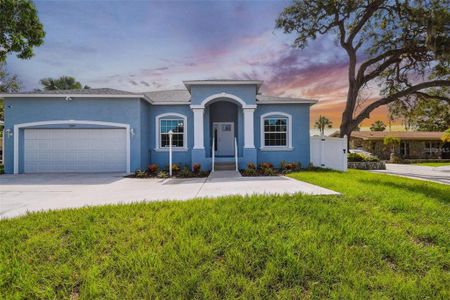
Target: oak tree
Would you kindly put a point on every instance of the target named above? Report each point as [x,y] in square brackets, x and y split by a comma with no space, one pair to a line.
[403,46]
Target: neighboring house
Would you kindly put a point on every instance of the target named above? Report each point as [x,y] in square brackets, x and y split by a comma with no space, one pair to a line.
[107,130]
[413,144]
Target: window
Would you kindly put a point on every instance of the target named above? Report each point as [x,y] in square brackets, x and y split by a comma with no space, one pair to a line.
[177,127]
[275,132]
[404,149]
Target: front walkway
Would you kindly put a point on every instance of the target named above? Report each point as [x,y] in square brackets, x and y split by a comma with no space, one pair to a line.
[436,174]
[26,192]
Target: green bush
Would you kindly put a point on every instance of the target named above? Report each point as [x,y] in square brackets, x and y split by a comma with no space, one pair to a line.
[185,172]
[249,172]
[140,174]
[268,172]
[358,157]
[162,174]
[2,169]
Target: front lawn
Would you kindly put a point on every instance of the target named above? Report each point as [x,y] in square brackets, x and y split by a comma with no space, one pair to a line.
[385,237]
[434,164]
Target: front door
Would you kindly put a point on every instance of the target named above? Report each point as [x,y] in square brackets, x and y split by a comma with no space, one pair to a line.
[224,134]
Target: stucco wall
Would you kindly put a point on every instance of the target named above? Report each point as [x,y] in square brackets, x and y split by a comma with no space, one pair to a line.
[300,134]
[246,93]
[25,110]
[161,157]
[141,116]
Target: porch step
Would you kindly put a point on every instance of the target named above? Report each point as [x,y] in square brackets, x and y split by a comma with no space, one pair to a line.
[219,166]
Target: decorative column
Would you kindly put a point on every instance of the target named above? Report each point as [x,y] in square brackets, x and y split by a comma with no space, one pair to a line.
[198,128]
[249,132]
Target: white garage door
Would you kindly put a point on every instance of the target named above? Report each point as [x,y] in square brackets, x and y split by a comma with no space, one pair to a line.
[74,150]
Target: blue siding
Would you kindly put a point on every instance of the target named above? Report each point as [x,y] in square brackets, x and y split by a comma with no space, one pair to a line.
[246,93]
[162,157]
[25,110]
[300,134]
[141,116]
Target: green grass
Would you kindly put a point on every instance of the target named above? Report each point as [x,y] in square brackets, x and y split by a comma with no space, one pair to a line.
[434,164]
[385,237]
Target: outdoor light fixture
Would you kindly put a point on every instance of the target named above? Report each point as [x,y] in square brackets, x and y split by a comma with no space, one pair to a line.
[132,131]
[8,133]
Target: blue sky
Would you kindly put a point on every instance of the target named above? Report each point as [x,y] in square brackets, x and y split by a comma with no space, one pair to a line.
[152,45]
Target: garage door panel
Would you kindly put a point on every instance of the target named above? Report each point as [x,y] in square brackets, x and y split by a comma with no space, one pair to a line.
[74,150]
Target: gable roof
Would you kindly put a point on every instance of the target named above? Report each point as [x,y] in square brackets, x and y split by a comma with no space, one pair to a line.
[403,135]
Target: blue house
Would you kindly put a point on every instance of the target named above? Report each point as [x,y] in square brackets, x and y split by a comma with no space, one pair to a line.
[107,130]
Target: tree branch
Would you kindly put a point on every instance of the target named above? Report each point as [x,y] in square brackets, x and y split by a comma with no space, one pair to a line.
[386,100]
[370,10]
[425,95]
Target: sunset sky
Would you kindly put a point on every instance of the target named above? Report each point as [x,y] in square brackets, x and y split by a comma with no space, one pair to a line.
[144,46]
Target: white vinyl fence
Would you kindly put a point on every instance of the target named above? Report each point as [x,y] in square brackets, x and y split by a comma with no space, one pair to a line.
[329,152]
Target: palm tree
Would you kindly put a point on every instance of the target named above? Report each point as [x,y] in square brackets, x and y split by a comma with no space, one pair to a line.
[322,123]
[62,83]
[378,126]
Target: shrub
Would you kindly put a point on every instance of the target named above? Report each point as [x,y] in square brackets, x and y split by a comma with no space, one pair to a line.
[162,174]
[249,172]
[266,165]
[354,157]
[185,172]
[286,167]
[196,168]
[268,172]
[175,169]
[358,157]
[153,169]
[140,174]
[2,169]
[251,166]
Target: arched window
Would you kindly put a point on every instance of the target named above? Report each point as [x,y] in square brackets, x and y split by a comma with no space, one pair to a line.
[276,131]
[177,123]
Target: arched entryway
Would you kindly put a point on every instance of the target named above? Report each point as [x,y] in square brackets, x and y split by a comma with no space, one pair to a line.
[225,118]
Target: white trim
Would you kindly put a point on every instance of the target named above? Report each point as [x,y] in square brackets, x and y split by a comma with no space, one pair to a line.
[17,127]
[198,128]
[294,101]
[157,133]
[70,95]
[190,83]
[249,136]
[222,95]
[263,147]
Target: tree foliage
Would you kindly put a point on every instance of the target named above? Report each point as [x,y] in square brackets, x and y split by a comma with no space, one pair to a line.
[8,84]
[422,114]
[403,46]
[378,126]
[62,83]
[446,136]
[322,123]
[20,28]
[392,142]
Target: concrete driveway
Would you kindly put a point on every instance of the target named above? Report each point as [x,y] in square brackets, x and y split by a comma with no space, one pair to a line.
[34,192]
[436,174]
